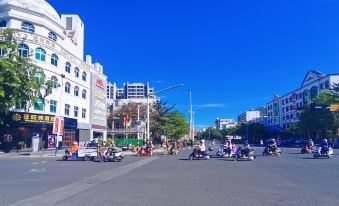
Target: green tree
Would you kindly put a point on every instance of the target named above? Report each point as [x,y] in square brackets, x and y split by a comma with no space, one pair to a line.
[18,83]
[212,133]
[176,125]
[317,122]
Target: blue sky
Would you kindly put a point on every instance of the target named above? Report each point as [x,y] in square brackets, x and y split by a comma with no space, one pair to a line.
[234,55]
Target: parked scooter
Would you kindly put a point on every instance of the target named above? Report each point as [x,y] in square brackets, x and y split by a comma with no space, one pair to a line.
[196,154]
[269,152]
[318,153]
[241,154]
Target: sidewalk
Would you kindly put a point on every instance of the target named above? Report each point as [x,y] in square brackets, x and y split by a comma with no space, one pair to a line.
[29,153]
[49,153]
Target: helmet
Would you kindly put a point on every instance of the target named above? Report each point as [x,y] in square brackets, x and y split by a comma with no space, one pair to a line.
[202,141]
[325,140]
[273,140]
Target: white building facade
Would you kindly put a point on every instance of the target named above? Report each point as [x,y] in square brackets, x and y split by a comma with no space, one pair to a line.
[129,93]
[248,116]
[224,124]
[285,110]
[56,44]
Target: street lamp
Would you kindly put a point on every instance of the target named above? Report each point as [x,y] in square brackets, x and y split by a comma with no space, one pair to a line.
[148,106]
[59,114]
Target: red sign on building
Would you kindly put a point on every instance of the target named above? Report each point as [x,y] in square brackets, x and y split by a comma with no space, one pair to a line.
[56,125]
[100,83]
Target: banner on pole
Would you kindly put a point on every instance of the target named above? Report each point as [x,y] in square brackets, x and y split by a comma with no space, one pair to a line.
[58,120]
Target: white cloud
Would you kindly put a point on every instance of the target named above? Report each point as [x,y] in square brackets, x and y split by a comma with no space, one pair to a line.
[212,105]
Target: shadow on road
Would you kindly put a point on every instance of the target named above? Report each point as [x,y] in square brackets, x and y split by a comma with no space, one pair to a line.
[183,159]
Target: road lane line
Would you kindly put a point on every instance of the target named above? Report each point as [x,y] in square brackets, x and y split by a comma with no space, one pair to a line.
[54,196]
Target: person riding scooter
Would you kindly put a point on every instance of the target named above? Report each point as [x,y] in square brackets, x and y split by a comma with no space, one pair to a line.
[246,149]
[324,147]
[273,146]
[202,148]
[228,147]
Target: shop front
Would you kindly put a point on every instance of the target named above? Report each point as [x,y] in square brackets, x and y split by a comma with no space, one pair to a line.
[19,129]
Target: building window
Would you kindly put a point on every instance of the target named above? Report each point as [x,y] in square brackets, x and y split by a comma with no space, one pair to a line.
[39,77]
[23,50]
[52,36]
[83,114]
[84,94]
[84,76]
[321,86]
[76,111]
[52,106]
[54,80]
[306,97]
[76,91]
[39,105]
[76,72]
[314,92]
[69,22]
[68,88]
[3,23]
[40,54]
[67,109]
[327,84]
[68,67]
[28,27]
[54,60]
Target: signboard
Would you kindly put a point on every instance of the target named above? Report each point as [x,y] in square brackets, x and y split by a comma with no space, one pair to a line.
[56,126]
[334,108]
[100,83]
[32,118]
[98,102]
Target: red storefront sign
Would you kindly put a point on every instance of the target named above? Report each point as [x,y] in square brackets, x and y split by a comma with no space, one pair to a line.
[56,125]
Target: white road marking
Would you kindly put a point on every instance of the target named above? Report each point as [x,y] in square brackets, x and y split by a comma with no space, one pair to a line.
[56,195]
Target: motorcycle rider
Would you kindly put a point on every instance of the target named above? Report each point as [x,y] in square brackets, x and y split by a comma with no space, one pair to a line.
[246,149]
[202,148]
[228,147]
[273,146]
[324,147]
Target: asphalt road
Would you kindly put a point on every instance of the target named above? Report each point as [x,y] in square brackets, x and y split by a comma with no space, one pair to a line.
[292,179]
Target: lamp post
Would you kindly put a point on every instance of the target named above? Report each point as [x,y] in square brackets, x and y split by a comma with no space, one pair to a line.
[59,114]
[138,124]
[148,106]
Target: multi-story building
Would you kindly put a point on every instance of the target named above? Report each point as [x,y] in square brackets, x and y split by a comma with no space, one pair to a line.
[285,110]
[130,93]
[224,124]
[56,44]
[248,116]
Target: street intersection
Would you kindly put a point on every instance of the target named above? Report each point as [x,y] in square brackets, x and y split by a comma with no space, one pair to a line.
[292,179]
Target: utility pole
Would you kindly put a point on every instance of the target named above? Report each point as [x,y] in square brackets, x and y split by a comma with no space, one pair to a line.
[191,135]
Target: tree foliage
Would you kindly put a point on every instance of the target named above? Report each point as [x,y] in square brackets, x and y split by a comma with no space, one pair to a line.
[18,85]
[164,120]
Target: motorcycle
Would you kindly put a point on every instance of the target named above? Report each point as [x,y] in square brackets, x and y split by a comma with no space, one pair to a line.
[225,151]
[245,156]
[112,155]
[269,152]
[306,150]
[319,153]
[196,154]
[143,152]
